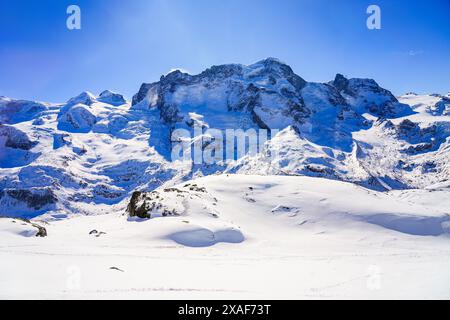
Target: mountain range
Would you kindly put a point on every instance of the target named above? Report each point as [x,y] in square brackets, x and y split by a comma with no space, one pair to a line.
[90,154]
[348,198]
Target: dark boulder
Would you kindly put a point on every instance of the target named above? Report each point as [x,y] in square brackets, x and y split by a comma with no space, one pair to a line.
[42,232]
[137,206]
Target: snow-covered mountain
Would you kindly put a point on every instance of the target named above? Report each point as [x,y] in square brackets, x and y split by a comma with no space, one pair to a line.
[348,198]
[90,154]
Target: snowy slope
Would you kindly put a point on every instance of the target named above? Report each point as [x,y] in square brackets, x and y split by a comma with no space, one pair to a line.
[75,155]
[240,236]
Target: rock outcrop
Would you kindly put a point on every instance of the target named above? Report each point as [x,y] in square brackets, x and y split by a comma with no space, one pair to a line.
[77,118]
[112,98]
[14,138]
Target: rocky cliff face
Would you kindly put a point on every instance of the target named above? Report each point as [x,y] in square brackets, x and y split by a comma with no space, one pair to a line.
[269,95]
[265,94]
[269,91]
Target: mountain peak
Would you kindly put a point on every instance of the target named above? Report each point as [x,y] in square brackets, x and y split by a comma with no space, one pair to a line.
[271,60]
[340,82]
[86,98]
[112,98]
[106,93]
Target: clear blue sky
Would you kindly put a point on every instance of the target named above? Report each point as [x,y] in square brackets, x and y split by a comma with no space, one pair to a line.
[124,43]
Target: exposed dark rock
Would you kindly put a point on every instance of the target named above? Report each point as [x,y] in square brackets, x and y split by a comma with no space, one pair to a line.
[276,68]
[429,166]
[145,205]
[441,108]
[195,188]
[143,91]
[116,269]
[85,98]
[34,198]
[370,96]
[222,71]
[15,138]
[243,98]
[419,148]
[107,192]
[174,190]
[137,206]
[402,165]
[407,126]
[16,111]
[42,232]
[61,139]
[96,233]
[422,139]
[320,170]
[77,118]
[112,98]
[340,82]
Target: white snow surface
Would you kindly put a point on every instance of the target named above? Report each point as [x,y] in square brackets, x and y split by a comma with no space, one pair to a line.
[271,237]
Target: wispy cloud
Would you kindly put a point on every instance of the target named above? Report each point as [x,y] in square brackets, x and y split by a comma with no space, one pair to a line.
[413,53]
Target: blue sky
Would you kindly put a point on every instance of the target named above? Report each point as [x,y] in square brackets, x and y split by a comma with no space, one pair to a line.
[124,43]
